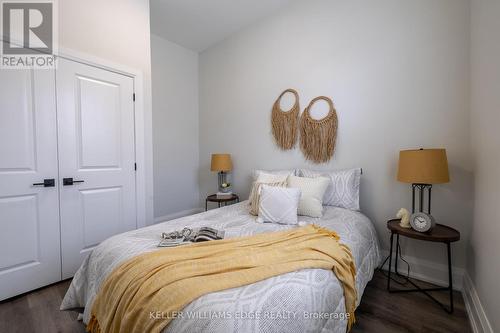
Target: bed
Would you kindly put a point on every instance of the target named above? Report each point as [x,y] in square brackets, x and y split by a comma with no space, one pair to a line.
[304,301]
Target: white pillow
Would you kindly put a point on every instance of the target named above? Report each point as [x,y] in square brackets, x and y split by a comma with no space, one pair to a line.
[278,204]
[313,190]
[343,190]
[254,198]
[274,175]
[263,177]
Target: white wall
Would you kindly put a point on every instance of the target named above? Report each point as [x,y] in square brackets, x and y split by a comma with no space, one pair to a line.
[398,73]
[175,127]
[483,264]
[117,31]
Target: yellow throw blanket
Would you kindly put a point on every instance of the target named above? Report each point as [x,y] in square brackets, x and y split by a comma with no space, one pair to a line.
[167,280]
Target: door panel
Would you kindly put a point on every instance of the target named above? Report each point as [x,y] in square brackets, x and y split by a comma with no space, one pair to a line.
[99,119]
[29,215]
[17,119]
[21,214]
[102,211]
[96,146]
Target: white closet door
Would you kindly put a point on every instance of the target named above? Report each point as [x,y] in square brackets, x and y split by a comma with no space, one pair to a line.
[96,151]
[29,214]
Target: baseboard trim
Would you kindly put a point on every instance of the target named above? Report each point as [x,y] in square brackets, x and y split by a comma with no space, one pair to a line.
[428,271]
[177,215]
[477,316]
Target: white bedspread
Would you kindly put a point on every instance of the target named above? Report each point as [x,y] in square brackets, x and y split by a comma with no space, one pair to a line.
[303,301]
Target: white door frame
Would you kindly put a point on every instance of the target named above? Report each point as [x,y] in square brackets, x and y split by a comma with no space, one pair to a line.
[140,153]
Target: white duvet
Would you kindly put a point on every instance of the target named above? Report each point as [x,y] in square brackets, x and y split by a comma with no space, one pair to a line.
[309,300]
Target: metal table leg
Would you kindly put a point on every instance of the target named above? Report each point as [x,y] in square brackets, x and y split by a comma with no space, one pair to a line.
[450,277]
[390,263]
[425,291]
[396,260]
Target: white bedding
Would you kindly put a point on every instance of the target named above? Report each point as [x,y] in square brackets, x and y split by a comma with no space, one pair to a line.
[303,301]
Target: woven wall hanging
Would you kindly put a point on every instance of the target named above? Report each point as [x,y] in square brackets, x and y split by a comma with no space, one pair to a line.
[285,123]
[317,137]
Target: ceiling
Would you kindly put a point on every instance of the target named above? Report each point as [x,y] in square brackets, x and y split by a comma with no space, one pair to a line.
[199,24]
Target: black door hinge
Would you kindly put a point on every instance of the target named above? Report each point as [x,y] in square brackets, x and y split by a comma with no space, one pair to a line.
[133,97]
[135,166]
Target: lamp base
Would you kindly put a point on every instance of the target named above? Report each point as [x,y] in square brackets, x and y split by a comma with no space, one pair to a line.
[222,179]
[224,195]
[421,189]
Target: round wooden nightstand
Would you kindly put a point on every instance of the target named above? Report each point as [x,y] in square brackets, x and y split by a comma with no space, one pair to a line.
[221,201]
[440,234]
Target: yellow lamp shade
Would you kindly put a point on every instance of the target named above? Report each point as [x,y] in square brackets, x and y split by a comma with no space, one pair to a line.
[221,162]
[423,166]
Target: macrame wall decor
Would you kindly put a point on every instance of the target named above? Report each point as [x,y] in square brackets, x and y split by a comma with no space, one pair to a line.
[317,136]
[285,123]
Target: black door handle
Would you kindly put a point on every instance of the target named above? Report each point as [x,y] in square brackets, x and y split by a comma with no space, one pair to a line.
[70,181]
[46,183]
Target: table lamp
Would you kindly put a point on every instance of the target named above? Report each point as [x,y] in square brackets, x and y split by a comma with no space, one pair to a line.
[222,164]
[422,168]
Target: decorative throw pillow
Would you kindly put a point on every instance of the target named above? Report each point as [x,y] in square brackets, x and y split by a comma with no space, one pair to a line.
[254,198]
[261,177]
[264,175]
[313,190]
[278,205]
[343,190]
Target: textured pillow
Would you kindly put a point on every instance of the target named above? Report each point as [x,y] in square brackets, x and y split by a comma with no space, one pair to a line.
[343,190]
[254,198]
[278,205]
[263,175]
[313,190]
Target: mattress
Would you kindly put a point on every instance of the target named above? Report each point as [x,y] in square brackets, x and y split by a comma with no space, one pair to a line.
[309,300]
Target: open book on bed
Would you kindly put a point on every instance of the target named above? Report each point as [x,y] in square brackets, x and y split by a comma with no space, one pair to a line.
[188,235]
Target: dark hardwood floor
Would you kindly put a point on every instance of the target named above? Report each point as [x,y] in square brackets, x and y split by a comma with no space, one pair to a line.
[379,311]
[38,312]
